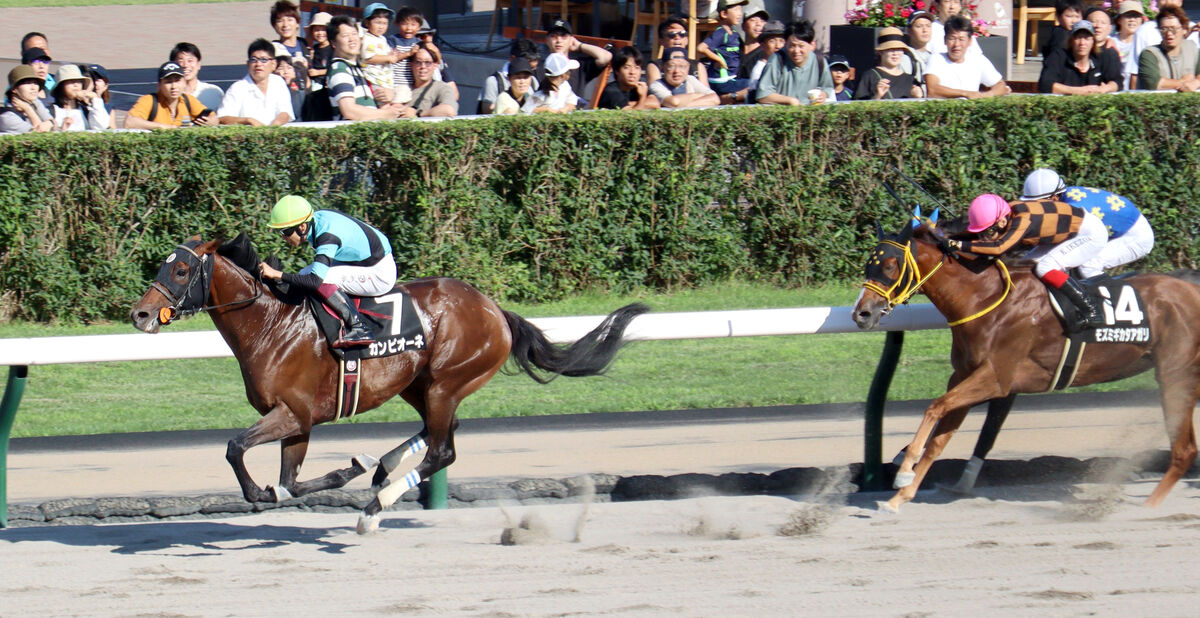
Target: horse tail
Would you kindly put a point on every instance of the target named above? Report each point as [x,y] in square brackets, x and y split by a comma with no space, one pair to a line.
[589,356]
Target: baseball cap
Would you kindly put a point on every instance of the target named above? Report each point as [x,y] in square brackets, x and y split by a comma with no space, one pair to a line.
[920,15]
[321,19]
[755,7]
[374,7]
[560,24]
[168,69]
[34,53]
[557,64]
[99,71]
[20,73]
[725,4]
[520,64]
[770,29]
[670,53]
[1130,6]
[838,61]
[1083,24]
[281,51]
[426,28]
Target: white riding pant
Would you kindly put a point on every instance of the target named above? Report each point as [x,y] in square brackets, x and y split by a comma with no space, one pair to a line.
[1076,251]
[1134,244]
[373,280]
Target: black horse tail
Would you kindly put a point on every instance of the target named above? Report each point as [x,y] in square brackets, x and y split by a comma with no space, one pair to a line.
[589,356]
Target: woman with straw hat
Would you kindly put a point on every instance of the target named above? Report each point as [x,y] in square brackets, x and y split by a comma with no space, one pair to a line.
[76,106]
[24,112]
[888,80]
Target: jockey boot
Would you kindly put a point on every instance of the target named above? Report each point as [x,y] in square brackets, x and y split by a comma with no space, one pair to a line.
[355,332]
[1089,314]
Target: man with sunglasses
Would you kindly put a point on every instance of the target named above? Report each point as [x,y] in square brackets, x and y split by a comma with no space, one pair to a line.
[352,257]
[260,98]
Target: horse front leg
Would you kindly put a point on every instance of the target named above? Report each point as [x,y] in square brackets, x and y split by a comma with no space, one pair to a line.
[292,452]
[980,385]
[1178,396]
[277,424]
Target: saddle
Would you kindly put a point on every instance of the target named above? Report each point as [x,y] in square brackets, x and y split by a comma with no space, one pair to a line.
[393,317]
[1124,316]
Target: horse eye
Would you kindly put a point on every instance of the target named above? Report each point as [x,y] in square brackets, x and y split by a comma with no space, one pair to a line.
[181,272]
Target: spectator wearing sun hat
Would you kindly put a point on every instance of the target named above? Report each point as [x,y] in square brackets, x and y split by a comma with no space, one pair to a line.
[169,107]
[888,80]
[377,54]
[76,106]
[24,112]
[320,51]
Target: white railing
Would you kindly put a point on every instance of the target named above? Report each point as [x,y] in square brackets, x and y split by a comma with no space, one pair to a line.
[651,326]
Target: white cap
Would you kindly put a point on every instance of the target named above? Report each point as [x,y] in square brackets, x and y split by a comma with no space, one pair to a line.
[1042,183]
[280,50]
[557,64]
[321,19]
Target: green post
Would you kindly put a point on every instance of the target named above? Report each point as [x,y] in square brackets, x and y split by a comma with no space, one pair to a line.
[876,400]
[13,391]
[435,496]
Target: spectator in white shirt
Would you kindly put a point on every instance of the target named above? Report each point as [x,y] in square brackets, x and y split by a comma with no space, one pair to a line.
[678,88]
[187,56]
[956,73]
[261,97]
[76,107]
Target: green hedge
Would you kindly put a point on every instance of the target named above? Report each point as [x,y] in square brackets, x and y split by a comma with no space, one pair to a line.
[540,207]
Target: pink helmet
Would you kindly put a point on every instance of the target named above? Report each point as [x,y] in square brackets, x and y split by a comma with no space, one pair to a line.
[985,211]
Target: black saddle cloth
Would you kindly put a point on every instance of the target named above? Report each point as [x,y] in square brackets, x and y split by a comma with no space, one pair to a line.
[392,316]
[1125,319]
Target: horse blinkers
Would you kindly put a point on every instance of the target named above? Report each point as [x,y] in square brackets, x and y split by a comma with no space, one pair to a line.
[177,279]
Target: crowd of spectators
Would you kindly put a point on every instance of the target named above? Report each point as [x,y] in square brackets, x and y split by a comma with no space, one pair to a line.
[355,70]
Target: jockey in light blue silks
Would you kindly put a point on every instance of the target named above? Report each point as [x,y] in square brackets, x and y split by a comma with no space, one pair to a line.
[351,257]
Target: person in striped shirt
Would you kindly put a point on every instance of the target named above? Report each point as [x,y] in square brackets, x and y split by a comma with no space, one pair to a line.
[349,92]
[1060,237]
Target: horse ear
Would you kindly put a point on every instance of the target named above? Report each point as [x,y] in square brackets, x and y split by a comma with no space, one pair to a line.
[917,213]
[934,216]
[907,232]
[208,247]
[878,231]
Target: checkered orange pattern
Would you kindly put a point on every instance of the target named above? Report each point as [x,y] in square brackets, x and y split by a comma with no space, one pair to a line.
[1043,222]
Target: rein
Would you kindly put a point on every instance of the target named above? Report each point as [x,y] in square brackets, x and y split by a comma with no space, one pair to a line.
[910,281]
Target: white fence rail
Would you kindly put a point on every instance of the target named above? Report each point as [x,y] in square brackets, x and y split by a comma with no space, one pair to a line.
[651,326]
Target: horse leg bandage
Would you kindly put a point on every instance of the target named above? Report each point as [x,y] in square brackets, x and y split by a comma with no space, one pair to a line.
[390,494]
[394,457]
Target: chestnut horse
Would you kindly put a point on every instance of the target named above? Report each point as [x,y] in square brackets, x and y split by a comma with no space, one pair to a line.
[1007,340]
[291,376]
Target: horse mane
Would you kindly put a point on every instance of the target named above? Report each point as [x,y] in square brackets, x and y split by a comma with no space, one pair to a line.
[1014,258]
[240,251]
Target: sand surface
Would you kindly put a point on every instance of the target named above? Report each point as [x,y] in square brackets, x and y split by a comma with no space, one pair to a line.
[1025,552]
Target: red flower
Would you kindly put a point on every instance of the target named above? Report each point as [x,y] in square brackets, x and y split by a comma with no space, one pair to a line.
[888,11]
[905,12]
[920,4]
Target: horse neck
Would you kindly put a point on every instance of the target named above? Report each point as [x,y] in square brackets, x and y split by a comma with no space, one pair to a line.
[243,324]
[954,289]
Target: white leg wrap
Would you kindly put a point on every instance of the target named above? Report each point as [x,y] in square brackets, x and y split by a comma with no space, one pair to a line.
[904,479]
[390,494]
[281,493]
[966,482]
[396,456]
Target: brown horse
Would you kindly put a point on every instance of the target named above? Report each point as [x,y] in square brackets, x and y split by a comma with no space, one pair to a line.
[291,376]
[1007,340]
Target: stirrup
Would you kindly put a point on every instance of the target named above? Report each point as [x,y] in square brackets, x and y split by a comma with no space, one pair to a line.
[355,337]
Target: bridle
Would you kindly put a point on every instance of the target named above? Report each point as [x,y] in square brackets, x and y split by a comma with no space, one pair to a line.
[188,299]
[910,280]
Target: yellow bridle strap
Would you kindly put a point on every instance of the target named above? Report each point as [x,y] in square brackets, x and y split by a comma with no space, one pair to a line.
[908,272]
[1007,288]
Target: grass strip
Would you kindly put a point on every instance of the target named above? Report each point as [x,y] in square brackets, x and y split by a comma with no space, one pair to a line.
[652,375]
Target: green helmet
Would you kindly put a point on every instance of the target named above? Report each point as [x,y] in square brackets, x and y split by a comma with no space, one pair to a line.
[289,211]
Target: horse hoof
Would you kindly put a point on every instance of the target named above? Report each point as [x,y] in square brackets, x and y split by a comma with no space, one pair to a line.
[367,523]
[886,507]
[281,493]
[904,479]
[364,461]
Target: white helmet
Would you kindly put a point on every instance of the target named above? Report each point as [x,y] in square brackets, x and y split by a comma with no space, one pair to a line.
[1041,184]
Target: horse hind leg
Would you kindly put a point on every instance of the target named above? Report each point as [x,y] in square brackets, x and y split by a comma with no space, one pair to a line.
[292,455]
[1178,402]
[392,460]
[440,455]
